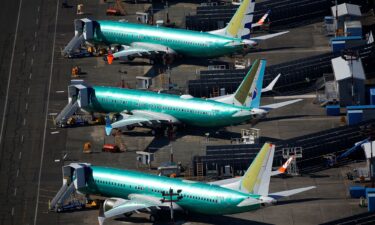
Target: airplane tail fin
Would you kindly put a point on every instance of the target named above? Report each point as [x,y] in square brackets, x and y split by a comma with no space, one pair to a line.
[240,24]
[249,92]
[257,177]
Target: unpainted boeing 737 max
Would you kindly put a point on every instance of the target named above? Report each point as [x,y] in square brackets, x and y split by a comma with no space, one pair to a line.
[140,40]
[130,191]
[152,109]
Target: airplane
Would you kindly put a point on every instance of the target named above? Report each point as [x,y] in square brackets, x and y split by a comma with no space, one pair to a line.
[156,110]
[126,192]
[140,40]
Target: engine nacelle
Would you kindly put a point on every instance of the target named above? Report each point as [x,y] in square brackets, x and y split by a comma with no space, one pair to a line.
[111,203]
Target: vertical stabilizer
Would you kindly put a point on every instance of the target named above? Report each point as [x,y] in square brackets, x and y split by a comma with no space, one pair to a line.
[249,92]
[240,24]
[257,178]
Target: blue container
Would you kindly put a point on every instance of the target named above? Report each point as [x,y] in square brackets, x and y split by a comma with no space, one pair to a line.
[357,191]
[328,19]
[370,191]
[354,116]
[340,43]
[372,96]
[354,31]
[333,110]
[371,202]
[338,46]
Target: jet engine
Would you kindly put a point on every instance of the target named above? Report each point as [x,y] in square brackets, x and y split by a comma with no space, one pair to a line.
[111,203]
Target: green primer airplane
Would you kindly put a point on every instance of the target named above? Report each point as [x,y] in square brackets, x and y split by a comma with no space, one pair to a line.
[139,40]
[152,109]
[130,191]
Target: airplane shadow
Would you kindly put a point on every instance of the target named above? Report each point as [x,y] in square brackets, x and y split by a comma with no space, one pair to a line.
[134,63]
[270,49]
[303,200]
[181,218]
[283,117]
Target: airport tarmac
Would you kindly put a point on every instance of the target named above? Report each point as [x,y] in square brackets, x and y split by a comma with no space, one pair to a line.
[31,146]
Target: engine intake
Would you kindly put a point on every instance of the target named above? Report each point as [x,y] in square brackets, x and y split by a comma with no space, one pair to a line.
[111,203]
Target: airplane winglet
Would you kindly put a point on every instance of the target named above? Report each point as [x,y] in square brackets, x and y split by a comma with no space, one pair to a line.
[284,167]
[263,19]
[101,216]
[108,126]
[271,85]
[110,58]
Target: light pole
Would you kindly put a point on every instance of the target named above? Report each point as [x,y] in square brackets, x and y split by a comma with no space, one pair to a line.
[350,55]
[171,194]
[369,130]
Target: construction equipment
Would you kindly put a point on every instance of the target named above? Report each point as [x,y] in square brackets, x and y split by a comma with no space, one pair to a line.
[87,147]
[76,71]
[116,10]
[111,148]
[79,9]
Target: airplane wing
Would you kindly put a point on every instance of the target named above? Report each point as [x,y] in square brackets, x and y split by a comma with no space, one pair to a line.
[268,36]
[279,105]
[136,202]
[140,49]
[139,118]
[132,52]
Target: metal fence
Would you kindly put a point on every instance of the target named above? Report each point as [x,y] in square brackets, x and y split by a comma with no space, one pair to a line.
[298,76]
[285,13]
[315,146]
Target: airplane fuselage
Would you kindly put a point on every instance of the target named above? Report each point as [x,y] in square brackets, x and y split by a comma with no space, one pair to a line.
[183,42]
[190,111]
[196,196]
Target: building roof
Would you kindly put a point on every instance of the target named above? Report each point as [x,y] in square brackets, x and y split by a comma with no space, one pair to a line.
[346,38]
[355,23]
[354,107]
[342,69]
[346,9]
[368,149]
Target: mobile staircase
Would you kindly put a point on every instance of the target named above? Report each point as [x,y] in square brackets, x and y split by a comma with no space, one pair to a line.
[67,112]
[74,178]
[78,97]
[84,31]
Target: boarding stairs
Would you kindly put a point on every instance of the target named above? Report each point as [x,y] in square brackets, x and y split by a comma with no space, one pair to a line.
[67,112]
[64,193]
[74,178]
[73,45]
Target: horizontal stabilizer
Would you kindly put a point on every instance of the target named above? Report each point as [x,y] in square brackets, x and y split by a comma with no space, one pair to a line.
[280,104]
[272,84]
[268,36]
[287,193]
